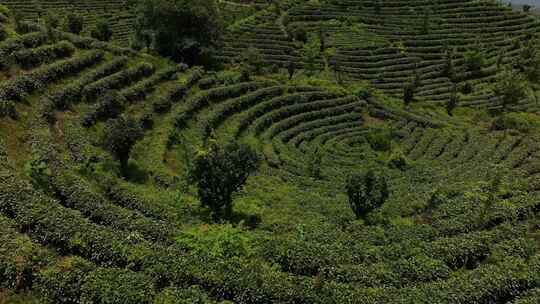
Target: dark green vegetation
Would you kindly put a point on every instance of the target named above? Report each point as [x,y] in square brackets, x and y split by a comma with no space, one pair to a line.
[184,30]
[106,153]
[221,172]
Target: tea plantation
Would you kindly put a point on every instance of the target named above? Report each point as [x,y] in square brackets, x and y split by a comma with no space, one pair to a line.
[396,144]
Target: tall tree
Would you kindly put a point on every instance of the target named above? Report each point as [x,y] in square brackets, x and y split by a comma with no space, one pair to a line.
[184,30]
[219,173]
[291,68]
[453,100]
[120,136]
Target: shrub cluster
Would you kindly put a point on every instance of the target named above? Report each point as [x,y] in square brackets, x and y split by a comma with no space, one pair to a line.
[139,91]
[72,92]
[108,106]
[7,109]
[203,99]
[117,80]
[275,103]
[10,46]
[78,194]
[165,102]
[29,58]
[17,88]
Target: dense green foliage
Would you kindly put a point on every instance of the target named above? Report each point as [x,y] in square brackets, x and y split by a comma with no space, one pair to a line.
[120,134]
[221,172]
[74,23]
[366,192]
[185,30]
[294,171]
[102,30]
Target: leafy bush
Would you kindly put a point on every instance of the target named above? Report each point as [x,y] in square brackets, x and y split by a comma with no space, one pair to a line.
[51,19]
[528,61]
[298,32]
[29,58]
[72,233]
[147,121]
[398,160]
[453,101]
[20,257]
[7,109]
[141,89]
[408,93]
[164,103]
[223,241]
[102,30]
[19,87]
[74,23]
[204,98]
[474,60]
[310,53]
[220,172]
[191,295]
[117,80]
[252,60]
[380,140]
[466,87]
[78,194]
[4,10]
[314,162]
[523,122]
[120,136]
[366,192]
[510,87]
[108,106]
[62,283]
[11,45]
[71,93]
[39,173]
[111,286]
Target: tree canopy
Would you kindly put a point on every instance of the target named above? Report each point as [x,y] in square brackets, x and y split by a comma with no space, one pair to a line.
[184,30]
[220,172]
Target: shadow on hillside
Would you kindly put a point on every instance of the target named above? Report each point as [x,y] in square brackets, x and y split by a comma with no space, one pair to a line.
[135,174]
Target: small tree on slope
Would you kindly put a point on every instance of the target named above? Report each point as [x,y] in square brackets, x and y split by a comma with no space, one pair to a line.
[366,192]
[219,173]
[120,136]
[511,88]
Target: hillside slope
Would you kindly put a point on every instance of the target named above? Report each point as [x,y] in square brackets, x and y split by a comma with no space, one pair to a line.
[461,224]
[389,42]
[117,12]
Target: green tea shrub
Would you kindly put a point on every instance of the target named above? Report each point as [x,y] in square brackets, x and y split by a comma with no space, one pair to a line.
[380,140]
[366,192]
[108,106]
[112,285]
[475,60]
[102,30]
[522,122]
[74,23]
[223,241]
[191,295]
[398,160]
[62,282]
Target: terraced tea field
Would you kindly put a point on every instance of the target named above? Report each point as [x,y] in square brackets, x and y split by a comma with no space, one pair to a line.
[460,225]
[117,12]
[387,42]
